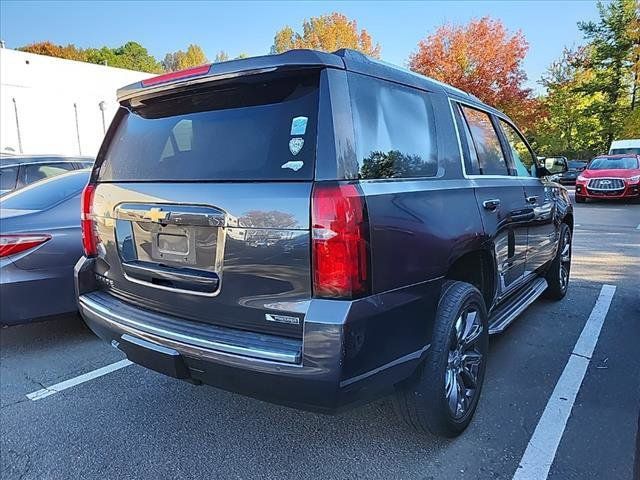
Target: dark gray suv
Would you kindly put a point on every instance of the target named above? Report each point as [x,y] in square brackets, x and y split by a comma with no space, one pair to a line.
[318,230]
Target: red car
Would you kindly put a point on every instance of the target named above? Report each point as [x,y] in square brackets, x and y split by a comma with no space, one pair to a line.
[610,177]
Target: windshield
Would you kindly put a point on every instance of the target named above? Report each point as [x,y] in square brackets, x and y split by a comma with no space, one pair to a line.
[255,130]
[620,163]
[576,164]
[46,193]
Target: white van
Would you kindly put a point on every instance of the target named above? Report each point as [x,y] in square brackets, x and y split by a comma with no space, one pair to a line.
[625,146]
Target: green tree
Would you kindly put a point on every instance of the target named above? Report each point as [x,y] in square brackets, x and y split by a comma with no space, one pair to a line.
[570,127]
[221,56]
[611,54]
[180,60]
[328,33]
[131,56]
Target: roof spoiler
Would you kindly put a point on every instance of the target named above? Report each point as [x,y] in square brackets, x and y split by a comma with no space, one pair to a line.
[230,69]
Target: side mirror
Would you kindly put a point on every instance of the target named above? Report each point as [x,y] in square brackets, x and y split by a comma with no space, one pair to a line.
[556,165]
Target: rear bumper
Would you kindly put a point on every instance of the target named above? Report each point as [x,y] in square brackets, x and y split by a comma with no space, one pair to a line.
[351,352]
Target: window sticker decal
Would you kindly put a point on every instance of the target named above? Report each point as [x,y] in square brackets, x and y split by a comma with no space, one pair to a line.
[299,125]
[295,145]
[294,165]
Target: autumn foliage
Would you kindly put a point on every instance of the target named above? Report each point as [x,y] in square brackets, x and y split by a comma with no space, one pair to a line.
[328,33]
[481,58]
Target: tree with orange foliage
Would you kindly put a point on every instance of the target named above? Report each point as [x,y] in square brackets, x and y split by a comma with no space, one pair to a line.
[50,49]
[484,59]
[327,33]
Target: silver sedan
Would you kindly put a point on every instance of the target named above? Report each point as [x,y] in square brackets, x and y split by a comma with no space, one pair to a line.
[40,242]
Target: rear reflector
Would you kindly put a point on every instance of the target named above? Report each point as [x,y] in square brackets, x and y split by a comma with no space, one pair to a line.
[340,242]
[16,243]
[87,225]
[171,76]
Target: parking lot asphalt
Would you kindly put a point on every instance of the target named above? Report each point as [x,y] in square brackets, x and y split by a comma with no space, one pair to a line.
[134,423]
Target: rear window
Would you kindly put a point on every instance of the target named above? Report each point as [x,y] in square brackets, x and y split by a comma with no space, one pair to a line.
[260,129]
[622,151]
[622,163]
[576,164]
[47,193]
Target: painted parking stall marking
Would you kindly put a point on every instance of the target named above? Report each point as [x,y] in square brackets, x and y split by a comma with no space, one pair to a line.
[72,382]
[542,447]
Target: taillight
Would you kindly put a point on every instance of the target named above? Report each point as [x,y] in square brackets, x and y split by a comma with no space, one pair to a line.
[89,241]
[340,241]
[16,243]
[181,74]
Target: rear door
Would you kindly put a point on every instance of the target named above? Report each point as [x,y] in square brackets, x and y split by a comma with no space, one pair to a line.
[499,194]
[203,203]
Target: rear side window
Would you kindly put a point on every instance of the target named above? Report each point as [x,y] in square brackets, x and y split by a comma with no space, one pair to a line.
[8,177]
[260,129]
[42,195]
[394,129]
[491,160]
[33,173]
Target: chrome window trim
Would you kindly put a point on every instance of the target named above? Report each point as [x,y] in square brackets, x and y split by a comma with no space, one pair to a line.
[55,162]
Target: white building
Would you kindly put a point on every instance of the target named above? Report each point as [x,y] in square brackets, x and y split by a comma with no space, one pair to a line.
[54,106]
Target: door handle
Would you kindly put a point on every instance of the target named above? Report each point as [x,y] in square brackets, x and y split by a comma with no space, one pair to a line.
[532,199]
[491,204]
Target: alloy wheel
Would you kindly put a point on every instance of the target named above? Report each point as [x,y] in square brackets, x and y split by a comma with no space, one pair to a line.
[464,362]
[565,259]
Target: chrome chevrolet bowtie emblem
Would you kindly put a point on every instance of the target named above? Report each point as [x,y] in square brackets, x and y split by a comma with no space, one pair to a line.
[155,214]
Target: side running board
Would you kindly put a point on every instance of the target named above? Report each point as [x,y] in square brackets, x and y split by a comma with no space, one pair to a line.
[507,312]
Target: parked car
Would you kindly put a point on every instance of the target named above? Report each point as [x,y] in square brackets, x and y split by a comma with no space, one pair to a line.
[17,171]
[610,177]
[408,227]
[40,242]
[574,168]
[619,147]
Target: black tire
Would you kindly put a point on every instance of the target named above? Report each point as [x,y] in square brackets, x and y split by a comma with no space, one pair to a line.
[558,273]
[423,404]
[580,199]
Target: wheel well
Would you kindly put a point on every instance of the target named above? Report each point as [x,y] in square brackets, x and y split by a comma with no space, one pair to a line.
[568,219]
[476,268]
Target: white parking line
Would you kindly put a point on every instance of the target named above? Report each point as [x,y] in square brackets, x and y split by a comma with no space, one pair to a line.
[542,447]
[72,382]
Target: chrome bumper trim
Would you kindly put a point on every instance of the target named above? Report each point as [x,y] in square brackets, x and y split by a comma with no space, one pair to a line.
[95,310]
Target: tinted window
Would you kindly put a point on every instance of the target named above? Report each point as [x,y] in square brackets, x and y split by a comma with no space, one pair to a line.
[394,129]
[622,163]
[33,173]
[491,159]
[8,177]
[470,160]
[256,130]
[522,157]
[47,193]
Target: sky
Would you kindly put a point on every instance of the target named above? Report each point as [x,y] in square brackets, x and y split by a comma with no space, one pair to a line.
[249,27]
